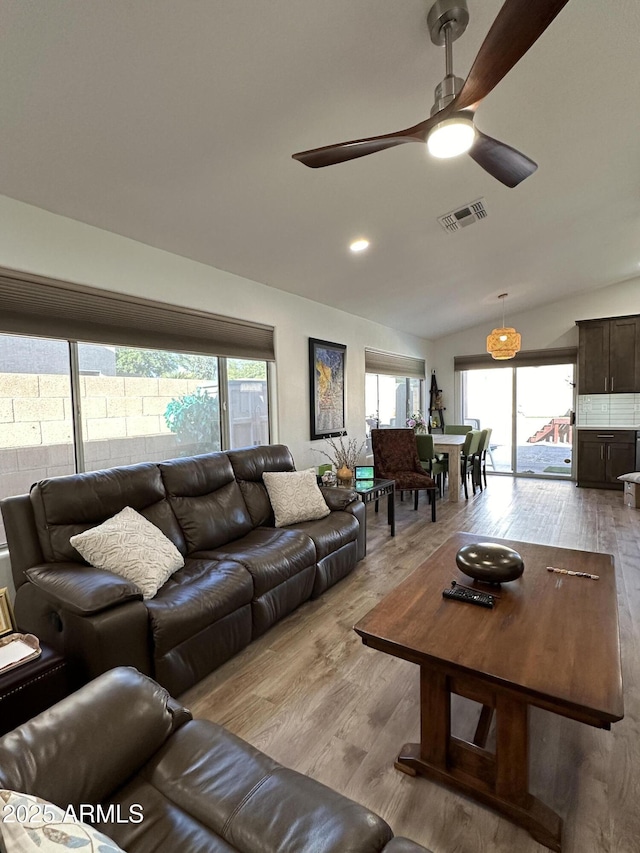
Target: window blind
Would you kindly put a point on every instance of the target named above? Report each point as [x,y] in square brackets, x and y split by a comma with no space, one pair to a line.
[526,358]
[393,365]
[42,307]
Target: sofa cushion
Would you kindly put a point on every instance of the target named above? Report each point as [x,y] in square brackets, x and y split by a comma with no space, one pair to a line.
[249,464]
[295,496]
[35,824]
[330,533]
[198,595]
[131,547]
[206,500]
[253,802]
[65,506]
[270,555]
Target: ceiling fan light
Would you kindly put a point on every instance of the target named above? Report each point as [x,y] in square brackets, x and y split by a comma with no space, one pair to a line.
[451,137]
[503,343]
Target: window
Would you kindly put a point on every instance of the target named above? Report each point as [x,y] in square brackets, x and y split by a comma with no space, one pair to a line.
[248,402]
[36,428]
[390,400]
[136,405]
[394,389]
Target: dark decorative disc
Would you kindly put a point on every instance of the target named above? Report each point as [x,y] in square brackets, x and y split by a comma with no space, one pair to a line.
[490,562]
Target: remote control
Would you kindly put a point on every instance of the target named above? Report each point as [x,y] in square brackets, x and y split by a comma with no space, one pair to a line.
[482,599]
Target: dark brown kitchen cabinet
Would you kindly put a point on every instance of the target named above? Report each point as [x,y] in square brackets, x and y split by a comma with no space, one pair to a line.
[603,455]
[609,355]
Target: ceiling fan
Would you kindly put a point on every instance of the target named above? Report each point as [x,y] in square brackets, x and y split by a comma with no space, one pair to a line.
[450,129]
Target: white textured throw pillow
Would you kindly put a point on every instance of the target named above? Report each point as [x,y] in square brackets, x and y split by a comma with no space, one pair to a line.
[31,825]
[295,496]
[634,477]
[132,547]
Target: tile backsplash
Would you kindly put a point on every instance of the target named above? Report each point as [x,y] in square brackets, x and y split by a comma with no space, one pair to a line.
[608,410]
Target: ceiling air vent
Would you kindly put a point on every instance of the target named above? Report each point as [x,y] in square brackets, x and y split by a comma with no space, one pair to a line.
[463,216]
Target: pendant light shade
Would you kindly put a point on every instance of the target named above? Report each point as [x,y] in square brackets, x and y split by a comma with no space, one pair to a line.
[505,342]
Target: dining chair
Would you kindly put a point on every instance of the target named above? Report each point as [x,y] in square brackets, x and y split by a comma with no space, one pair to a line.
[481,457]
[467,459]
[434,465]
[395,457]
[455,429]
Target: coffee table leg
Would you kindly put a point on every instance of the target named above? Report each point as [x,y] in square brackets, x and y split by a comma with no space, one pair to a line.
[391,511]
[501,780]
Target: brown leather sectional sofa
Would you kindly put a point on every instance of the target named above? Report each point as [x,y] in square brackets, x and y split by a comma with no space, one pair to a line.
[241,573]
[199,788]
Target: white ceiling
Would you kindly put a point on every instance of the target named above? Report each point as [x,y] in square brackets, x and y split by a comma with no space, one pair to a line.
[173,122]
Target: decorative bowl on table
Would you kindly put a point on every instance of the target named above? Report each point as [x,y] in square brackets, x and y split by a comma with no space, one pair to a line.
[490,562]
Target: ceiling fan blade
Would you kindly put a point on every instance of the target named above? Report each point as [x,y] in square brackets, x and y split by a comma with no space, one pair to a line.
[343,151]
[518,25]
[501,161]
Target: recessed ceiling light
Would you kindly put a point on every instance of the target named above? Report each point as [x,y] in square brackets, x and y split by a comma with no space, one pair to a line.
[359,245]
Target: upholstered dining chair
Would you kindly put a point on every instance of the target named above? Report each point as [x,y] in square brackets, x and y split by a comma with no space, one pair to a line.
[395,457]
[467,459]
[457,429]
[481,457]
[434,465]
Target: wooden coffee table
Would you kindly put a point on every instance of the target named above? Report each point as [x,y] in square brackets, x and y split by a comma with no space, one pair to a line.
[551,640]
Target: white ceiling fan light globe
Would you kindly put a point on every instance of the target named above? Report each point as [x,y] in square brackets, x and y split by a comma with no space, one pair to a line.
[451,137]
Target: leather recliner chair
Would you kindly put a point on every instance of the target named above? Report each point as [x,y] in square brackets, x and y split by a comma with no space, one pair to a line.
[122,741]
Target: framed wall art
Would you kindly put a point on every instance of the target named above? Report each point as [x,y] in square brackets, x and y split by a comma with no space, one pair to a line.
[7,622]
[327,363]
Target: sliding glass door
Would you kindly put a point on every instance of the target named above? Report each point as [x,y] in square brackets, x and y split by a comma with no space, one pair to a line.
[529,410]
[544,432]
[488,403]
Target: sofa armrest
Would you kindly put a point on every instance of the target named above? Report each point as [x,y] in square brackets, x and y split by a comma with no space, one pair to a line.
[338,498]
[80,589]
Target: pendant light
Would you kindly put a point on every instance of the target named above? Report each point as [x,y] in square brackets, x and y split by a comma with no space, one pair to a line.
[503,343]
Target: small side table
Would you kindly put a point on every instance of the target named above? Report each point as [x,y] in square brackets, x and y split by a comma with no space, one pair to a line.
[30,688]
[373,490]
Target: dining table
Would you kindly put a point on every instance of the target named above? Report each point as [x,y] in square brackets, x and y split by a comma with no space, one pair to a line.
[451,444]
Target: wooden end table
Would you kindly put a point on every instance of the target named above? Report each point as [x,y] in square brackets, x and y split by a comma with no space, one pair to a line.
[30,688]
[551,641]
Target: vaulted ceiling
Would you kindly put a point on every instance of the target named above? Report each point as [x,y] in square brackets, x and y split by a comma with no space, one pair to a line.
[173,122]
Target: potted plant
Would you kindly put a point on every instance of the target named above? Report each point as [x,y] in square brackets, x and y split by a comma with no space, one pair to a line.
[344,457]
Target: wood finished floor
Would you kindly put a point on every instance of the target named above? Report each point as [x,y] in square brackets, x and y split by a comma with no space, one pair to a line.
[313,697]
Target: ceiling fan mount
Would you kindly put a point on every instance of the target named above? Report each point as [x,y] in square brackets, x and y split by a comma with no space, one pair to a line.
[447,17]
[447,20]
[517,27]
